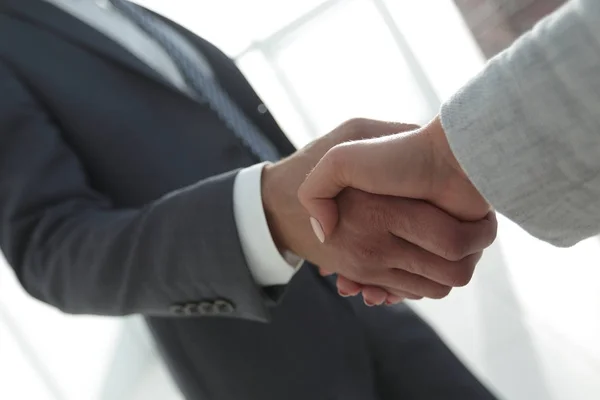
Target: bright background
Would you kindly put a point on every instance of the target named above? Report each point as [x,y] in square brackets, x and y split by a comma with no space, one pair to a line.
[528,325]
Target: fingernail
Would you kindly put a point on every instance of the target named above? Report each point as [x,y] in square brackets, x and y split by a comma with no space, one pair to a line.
[369,304]
[343,294]
[318,229]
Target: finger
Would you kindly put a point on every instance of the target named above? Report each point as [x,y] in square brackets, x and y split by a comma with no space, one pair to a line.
[434,230]
[395,254]
[405,284]
[478,235]
[410,283]
[417,261]
[347,164]
[374,296]
[317,193]
[401,293]
[377,165]
[393,294]
[347,287]
[391,300]
[332,173]
[324,272]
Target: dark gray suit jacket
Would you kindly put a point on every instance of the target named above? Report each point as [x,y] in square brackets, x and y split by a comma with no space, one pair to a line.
[116,198]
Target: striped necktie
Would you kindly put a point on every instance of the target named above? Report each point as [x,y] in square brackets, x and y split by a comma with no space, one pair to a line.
[207,89]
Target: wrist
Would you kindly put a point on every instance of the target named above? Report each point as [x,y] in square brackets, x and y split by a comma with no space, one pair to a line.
[450,183]
[288,221]
[276,204]
[442,154]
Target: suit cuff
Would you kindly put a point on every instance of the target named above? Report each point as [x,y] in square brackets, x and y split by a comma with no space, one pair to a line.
[267,265]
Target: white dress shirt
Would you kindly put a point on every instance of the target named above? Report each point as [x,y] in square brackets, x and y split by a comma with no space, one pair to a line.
[266,263]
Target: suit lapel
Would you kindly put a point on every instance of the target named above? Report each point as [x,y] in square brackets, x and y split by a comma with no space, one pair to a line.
[43,14]
[237,86]
[70,28]
[235,83]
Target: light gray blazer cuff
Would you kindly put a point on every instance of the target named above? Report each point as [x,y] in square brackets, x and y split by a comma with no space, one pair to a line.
[527,129]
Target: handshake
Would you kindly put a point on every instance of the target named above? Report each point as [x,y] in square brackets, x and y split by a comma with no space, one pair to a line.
[385,206]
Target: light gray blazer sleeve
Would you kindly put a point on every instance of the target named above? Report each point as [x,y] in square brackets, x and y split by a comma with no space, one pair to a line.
[527,129]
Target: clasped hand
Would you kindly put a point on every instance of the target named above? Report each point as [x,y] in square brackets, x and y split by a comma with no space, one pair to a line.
[392,212]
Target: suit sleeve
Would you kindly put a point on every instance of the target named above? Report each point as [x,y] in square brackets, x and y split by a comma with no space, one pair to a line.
[71,248]
[527,129]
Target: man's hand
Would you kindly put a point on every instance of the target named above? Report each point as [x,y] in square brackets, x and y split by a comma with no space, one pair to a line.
[417,164]
[287,219]
[408,247]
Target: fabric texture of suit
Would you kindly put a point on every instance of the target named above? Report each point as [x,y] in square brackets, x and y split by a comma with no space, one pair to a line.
[116,199]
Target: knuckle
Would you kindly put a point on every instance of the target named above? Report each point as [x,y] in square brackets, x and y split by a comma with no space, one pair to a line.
[367,263]
[354,125]
[411,266]
[337,156]
[368,251]
[376,213]
[454,247]
[347,268]
[440,292]
[492,235]
[462,276]
[390,215]
[404,225]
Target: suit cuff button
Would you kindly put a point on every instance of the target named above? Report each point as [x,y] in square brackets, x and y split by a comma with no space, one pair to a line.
[205,308]
[190,308]
[224,307]
[177,309]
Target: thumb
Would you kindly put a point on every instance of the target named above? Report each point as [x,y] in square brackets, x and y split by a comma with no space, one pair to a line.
[378,166]
[317,193]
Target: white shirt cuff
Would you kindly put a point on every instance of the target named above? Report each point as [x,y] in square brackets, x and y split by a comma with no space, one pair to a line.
[267,265]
